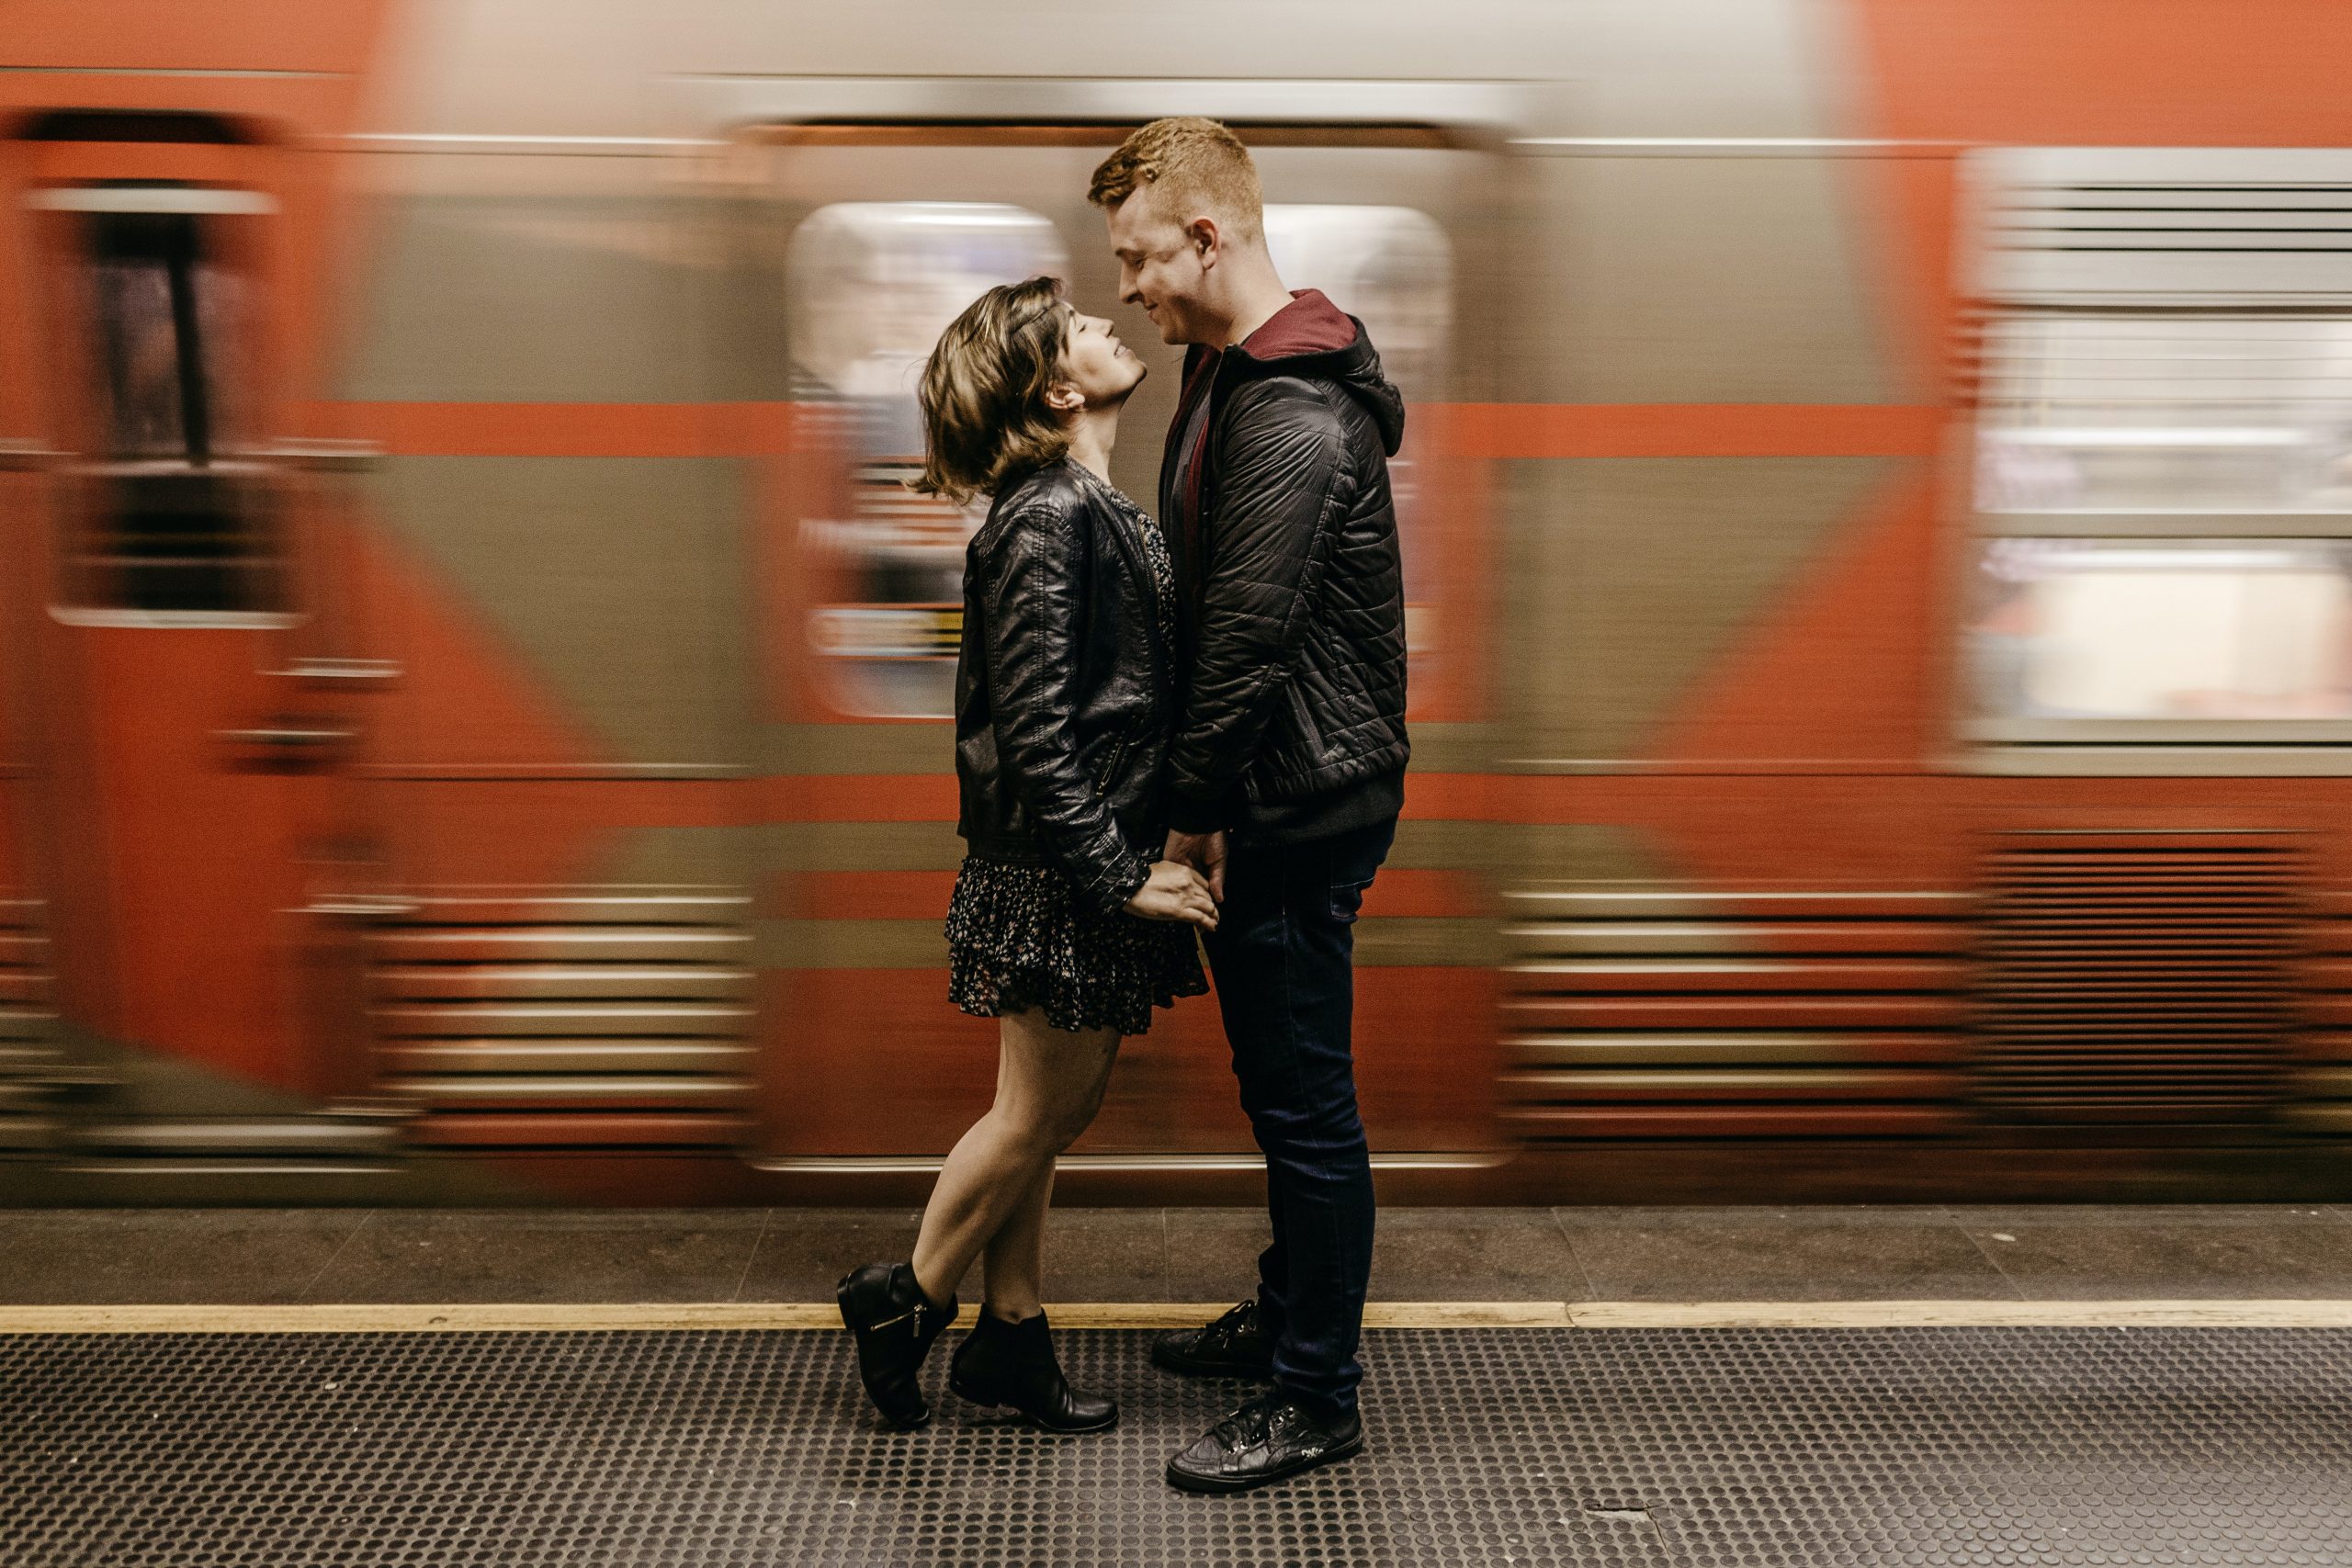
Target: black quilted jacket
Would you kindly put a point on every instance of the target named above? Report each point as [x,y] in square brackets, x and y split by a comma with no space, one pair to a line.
[1294,720]
[1064,688]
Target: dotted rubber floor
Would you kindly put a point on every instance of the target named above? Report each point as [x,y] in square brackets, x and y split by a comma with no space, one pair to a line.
[1809,1447]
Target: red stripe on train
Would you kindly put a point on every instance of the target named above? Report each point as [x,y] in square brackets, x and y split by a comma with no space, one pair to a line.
[1471,430]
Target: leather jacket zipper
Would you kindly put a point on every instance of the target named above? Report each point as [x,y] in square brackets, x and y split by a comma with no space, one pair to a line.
[1110,770]
[1131,551]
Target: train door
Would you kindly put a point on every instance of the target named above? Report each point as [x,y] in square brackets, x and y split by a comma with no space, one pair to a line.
[879,231]
[193,698]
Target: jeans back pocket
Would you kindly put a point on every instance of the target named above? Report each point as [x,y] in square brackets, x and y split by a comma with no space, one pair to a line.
[1347,901]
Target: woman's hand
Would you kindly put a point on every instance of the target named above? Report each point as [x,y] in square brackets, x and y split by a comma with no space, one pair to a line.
[1174,893]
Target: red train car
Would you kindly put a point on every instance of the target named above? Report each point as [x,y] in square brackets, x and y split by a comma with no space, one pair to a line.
[1876,516]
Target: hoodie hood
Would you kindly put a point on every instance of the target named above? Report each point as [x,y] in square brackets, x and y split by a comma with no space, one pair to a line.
[1311,336]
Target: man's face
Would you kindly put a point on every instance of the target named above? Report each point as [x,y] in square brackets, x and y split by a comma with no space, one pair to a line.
[1161,268]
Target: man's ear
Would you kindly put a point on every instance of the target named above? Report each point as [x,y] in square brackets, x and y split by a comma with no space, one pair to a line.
[1203,235]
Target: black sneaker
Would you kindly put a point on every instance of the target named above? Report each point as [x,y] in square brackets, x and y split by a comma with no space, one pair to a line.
[1234,1345]
[1268,1439]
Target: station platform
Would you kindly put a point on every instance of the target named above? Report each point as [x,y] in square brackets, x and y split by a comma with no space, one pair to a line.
[1671,1387]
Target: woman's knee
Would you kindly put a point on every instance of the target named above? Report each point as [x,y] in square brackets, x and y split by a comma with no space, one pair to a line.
[1027,1128]
[1054,1123]
[1056,1089]
[1074,1119]
[1051,1123]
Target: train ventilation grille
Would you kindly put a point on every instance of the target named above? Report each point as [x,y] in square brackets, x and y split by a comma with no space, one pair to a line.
[2128,217]
[2139,978]
[2320,1088]
[2139,226]
[1680,1015]
[30,1060]
[568,1018]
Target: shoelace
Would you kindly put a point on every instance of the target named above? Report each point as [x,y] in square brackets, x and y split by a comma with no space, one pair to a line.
[1250,1425]
[1242,1320]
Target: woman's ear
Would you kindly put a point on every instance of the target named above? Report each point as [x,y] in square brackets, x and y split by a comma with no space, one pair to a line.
[1063,397]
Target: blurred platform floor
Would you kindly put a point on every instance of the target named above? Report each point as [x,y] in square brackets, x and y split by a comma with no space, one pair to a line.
[1144,1256]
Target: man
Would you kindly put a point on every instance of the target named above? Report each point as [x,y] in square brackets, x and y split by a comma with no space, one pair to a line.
[1288,770]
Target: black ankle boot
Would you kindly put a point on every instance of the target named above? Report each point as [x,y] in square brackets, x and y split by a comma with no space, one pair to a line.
[894,1327]
[1014,1363]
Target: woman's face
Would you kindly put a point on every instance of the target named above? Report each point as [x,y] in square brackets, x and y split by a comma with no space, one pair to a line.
[1094,365]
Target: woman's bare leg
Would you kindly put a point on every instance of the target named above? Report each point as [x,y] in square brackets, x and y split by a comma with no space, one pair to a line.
[1013,1266]
[1049,1084]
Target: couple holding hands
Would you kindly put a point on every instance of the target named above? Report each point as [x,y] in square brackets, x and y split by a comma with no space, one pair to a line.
[1170,736]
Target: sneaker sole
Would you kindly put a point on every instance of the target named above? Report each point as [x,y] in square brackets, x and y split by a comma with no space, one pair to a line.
[1219,1485]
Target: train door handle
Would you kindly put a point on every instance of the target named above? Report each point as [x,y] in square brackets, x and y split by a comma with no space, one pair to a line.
[288,736]
[277,748]
[25,457]
[349,674]
[18,456]
[326,456]
[362,909]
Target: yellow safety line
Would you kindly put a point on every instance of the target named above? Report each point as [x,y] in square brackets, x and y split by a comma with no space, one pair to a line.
[570,1317]
[2143,1313]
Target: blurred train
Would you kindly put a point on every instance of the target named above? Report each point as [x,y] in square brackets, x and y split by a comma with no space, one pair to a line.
[1878,514]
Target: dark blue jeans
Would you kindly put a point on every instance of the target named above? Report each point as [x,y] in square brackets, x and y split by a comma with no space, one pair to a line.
[1284,953]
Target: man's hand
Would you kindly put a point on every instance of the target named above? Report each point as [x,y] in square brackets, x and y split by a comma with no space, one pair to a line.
[1204,852]
[1174,893]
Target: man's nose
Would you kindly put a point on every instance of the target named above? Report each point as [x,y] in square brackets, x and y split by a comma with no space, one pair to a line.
[1130,287]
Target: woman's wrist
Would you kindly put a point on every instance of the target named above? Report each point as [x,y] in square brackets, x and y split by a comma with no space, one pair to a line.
[1130,880]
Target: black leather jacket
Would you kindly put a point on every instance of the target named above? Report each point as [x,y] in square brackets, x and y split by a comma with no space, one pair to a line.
[1294,675]
[1064,689]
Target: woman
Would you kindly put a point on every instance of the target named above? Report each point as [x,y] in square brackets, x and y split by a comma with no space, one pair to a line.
[1060,925]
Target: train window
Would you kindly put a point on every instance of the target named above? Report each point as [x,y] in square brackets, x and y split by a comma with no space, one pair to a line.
[1391,268]
[2144,630]
[2167,411]
[2163,476]
[871,285]
[175,520]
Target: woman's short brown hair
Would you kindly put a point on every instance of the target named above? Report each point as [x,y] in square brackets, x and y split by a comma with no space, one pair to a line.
[985,419]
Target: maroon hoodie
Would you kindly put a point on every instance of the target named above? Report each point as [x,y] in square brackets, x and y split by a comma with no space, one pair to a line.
[1310,328]
[1224,731]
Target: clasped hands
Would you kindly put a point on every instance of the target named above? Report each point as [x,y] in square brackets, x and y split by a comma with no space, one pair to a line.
[1187,882]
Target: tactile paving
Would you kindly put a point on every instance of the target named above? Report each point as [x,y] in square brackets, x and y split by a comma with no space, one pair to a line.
[1804,1448]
